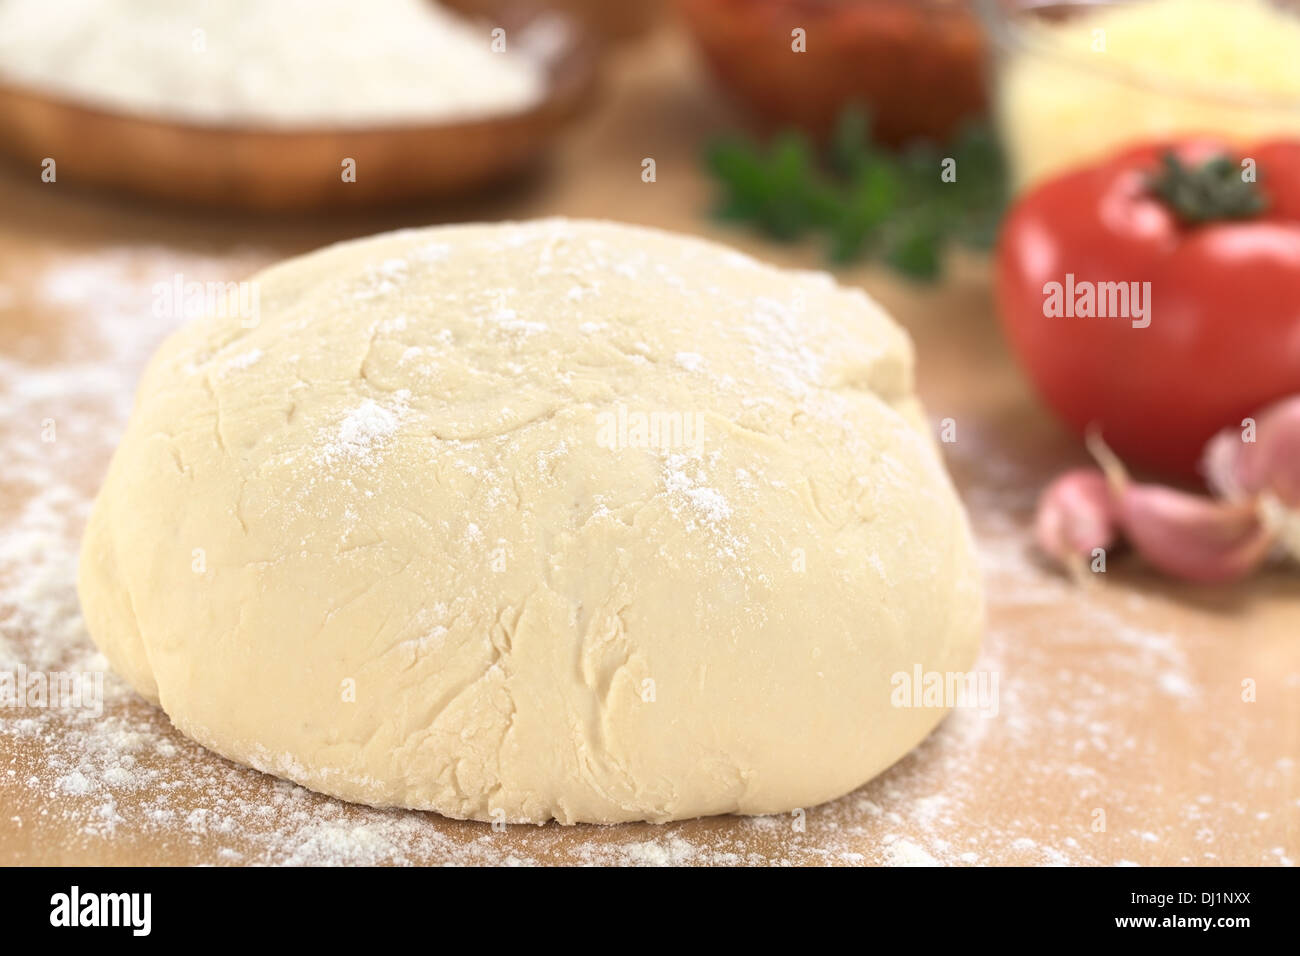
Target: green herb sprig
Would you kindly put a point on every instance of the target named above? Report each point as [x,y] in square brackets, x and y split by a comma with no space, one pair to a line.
[868,201]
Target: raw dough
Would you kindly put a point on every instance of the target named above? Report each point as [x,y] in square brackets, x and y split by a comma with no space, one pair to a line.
[415,538]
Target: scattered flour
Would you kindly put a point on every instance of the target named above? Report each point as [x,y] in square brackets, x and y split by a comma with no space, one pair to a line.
[706,504]
[241,362]
[691,361]
[364,430]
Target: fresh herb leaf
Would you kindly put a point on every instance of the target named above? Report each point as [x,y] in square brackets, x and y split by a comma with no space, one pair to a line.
[867,201]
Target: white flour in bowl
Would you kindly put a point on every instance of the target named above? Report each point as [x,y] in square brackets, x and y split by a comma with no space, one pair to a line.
[276,63]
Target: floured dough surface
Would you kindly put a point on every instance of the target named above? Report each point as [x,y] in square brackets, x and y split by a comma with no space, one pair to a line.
[557,519]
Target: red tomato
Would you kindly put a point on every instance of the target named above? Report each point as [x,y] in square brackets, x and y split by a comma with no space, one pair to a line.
[1223,338]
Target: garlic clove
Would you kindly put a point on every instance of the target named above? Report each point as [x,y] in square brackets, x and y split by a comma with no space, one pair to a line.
[1185,535]
[1074,518]
[1260,462]
[1220,464]
[1263,455]
[1284,522]
[1191,536]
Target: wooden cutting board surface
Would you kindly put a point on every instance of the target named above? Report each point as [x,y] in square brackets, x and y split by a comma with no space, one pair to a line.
[1137,721]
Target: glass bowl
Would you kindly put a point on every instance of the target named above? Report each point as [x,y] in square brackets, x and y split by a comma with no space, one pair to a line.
[1077,81]
[916,65]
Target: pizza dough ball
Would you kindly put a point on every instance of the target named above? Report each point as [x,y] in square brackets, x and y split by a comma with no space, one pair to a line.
[556,519]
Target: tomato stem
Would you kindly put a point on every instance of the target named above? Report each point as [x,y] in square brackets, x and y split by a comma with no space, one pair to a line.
[1215,190]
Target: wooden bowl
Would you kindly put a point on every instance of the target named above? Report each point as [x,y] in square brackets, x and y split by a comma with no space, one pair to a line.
[278,168]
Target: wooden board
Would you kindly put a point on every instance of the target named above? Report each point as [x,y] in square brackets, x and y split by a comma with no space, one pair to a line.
[1121,733]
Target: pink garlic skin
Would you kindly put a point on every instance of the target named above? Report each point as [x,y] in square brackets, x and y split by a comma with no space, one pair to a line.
[1240,469]
[1190,536]
[1074,517]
